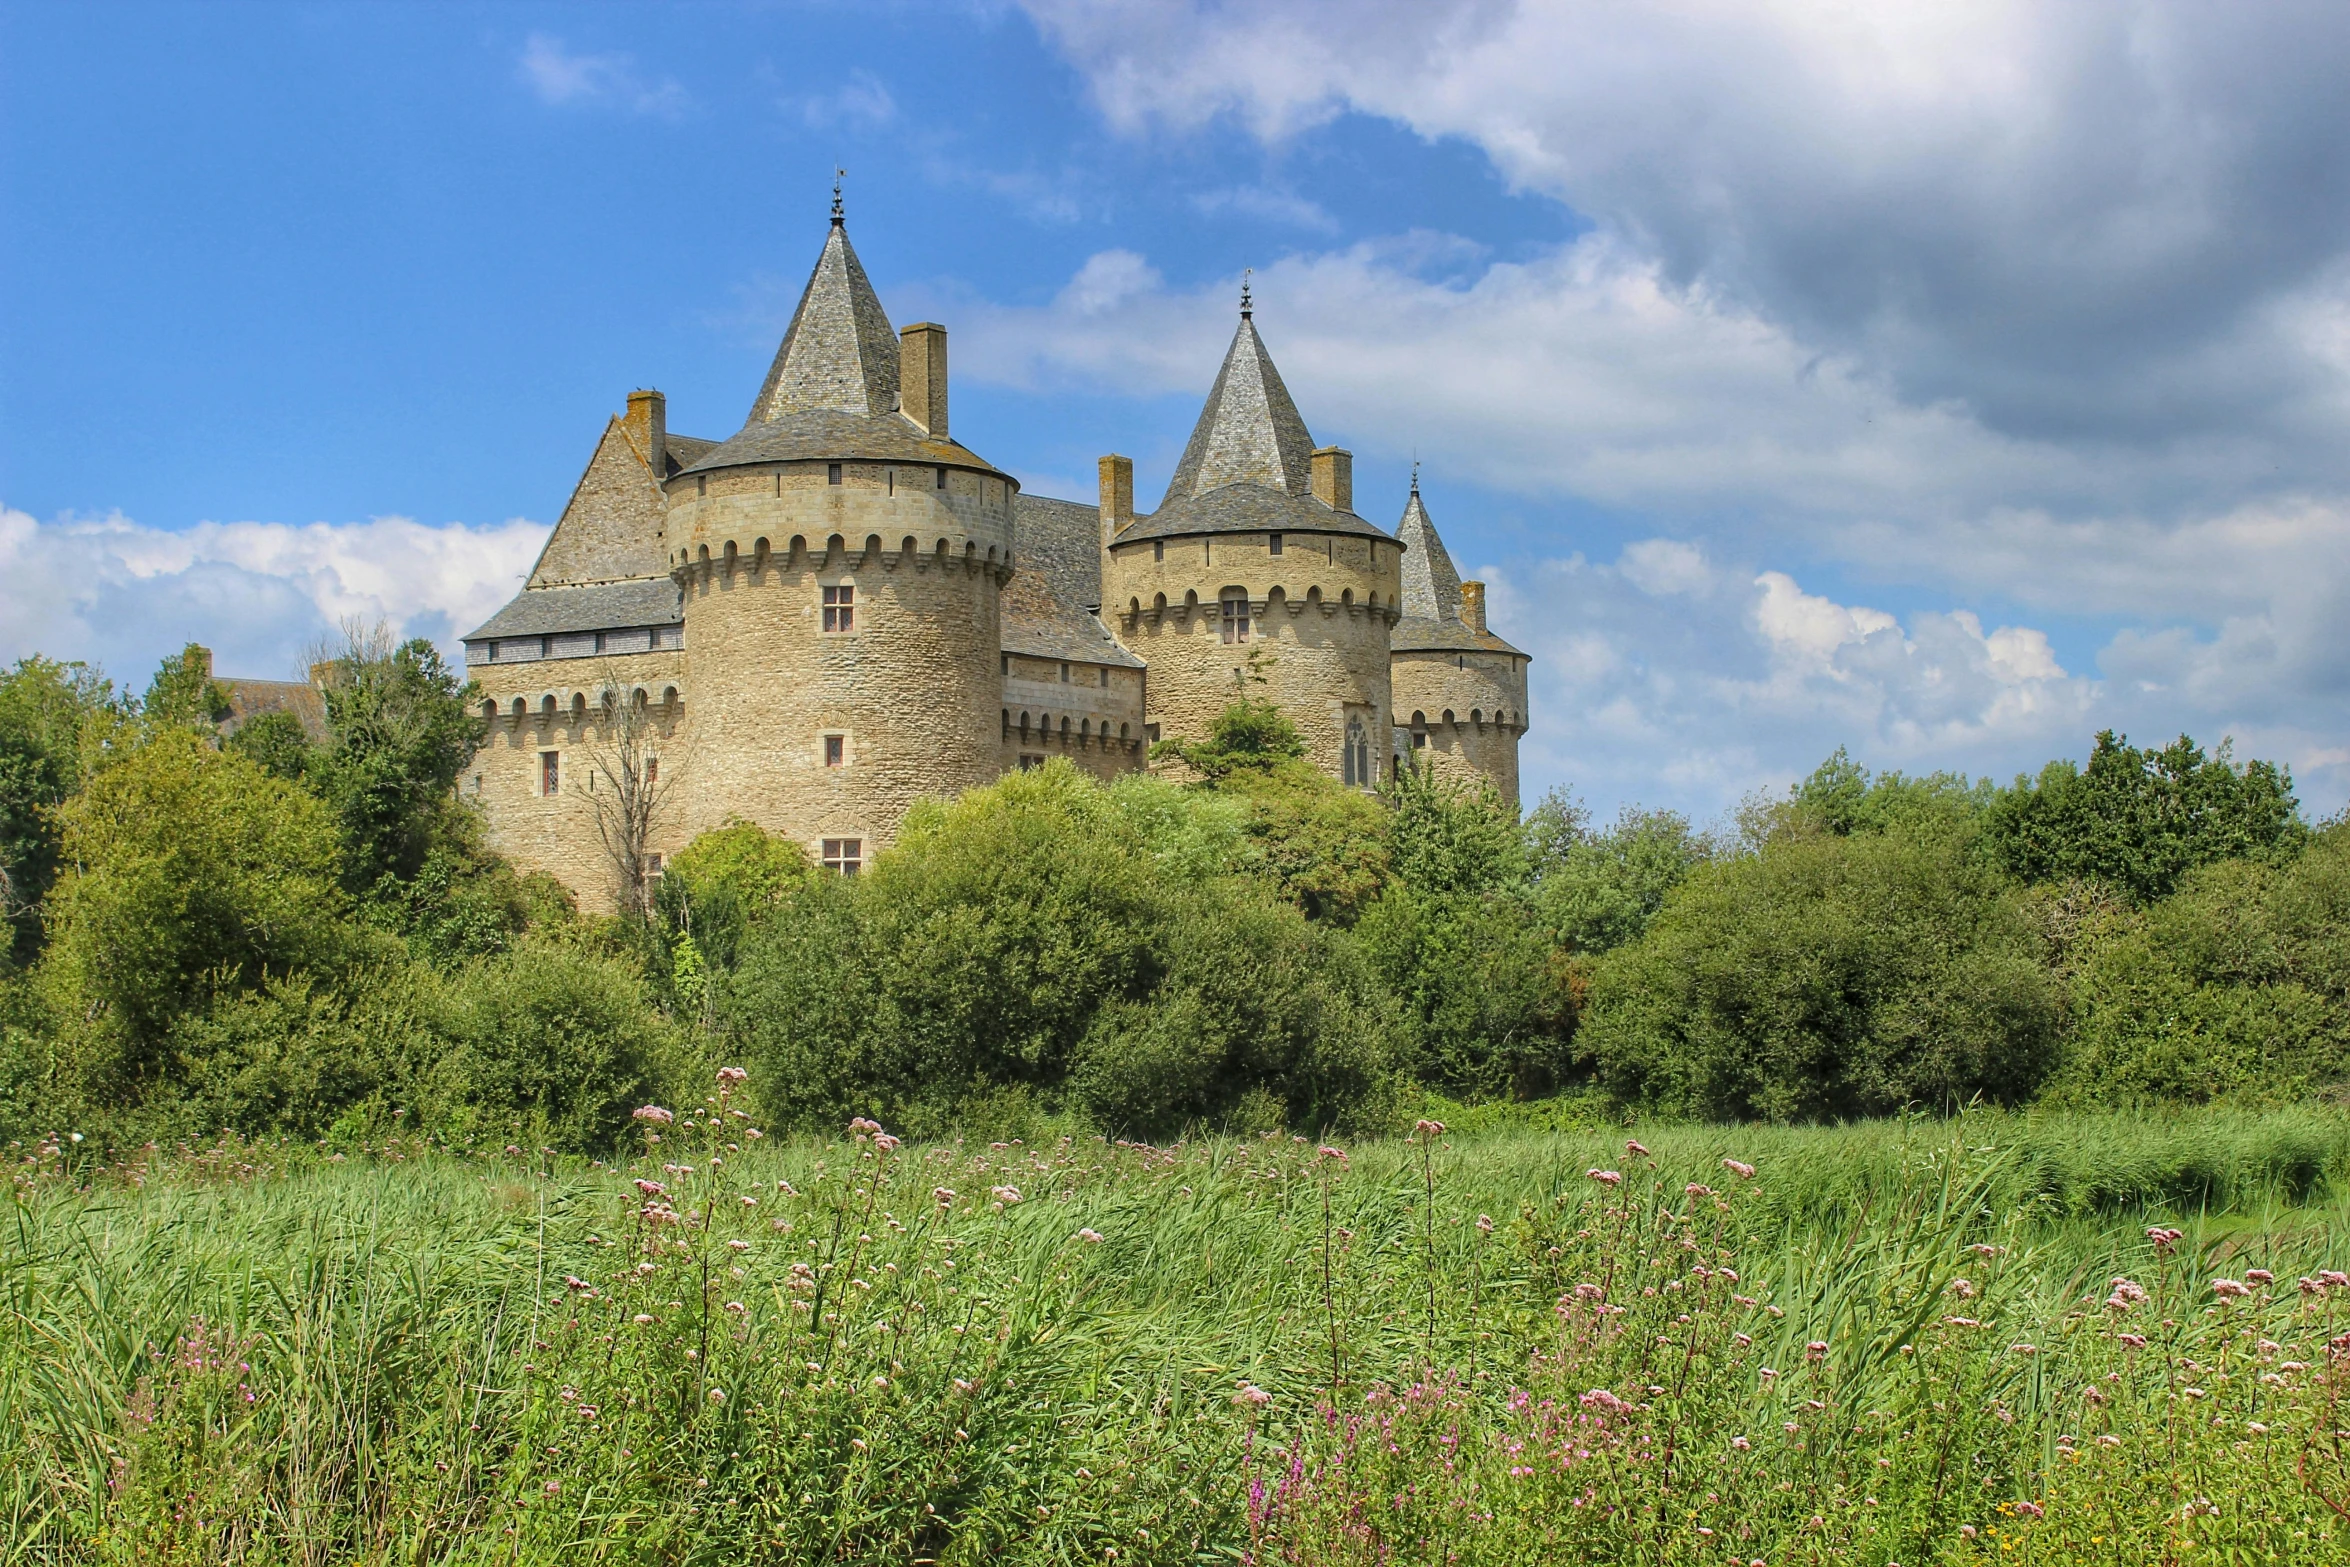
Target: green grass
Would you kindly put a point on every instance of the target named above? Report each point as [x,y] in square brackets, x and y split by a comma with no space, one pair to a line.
[1457,1349]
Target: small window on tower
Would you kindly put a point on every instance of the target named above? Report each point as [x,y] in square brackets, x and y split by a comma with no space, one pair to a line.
[1064,671]
[1030,763]
[1276,543]
[1235,626]
[550,771]
[652,771]
[942,478]
[840,608]
[845,855]
[832,474]
[1158,549]
[835,750]
[1105,677]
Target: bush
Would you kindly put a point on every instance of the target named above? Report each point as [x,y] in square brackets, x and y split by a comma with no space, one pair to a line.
[1827,977]
[1483,997]
[1597,891]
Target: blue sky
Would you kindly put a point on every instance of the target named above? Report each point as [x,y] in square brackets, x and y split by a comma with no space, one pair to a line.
[1945,387]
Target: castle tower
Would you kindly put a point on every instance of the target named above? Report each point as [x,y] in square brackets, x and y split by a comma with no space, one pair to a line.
[1255,577]
[1460,691]
[841,560]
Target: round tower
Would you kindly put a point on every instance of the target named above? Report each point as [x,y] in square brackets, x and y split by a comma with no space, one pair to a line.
[841,560]
[1256,579]
[1459,690]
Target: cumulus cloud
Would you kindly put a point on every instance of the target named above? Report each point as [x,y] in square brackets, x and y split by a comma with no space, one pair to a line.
[861,102]
[564,77]
[114,592]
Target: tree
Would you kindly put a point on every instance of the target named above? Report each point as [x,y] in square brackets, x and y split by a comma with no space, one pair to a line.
[191,874]
[629,790]
[2138,820]
[275,742]
[1446,839]
[183,692]
[50,713]
[399,731]
[1597,891]
[715,888]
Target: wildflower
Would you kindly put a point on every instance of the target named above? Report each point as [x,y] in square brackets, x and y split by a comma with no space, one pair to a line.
[1485,1224]
[2230,1289]
[1983,1249]
[2030,1510]
[1252,1395]
[943,1196]
[731,1075]
[2025,1350]
[570,1282]
[1695,1190]
[554,1487]
[881,1381]
[717,1395]
[2163,1239]
[1426,1128]
[1006,1195]
[1635,1150]
[1601,1399]
[1090,1237]
[884,1142]
[1767,1373]
[737,1307]
[860,1127]
[2125,1295]
[1964,1289]
[1817,1349]
[2259,1276]
[2109,1440]
[2134,1340]
[1961,1322]
[1743,1340]
[1966,1531]
[641,1319]
[654,1114]
[1606,1177]
[2256,1428]
[962,1386]
[1741,1443]
[2334,1279]
[1328,1152]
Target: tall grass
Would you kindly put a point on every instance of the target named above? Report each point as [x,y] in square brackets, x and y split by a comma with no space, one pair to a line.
[1450,1348]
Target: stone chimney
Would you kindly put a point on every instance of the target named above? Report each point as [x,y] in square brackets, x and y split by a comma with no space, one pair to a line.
[203,656]
[648,422]
[1333,471]
[1117,494]
[1473,606]
[922,376]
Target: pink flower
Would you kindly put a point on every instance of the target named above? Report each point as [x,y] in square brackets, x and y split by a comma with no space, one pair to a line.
[1817,1349]
[2030,1510]
[651,1188]
[730,1075]
[2133,1340]
[1328,1152]
[1253,1395]
[1606,1177]
[554,1487]
[717,1395]
[2334,1279]
[2259,1276]
[1007,1195]
[1635,1150]
[2163,1239]
[942,1195]
[654,1114]
[1741,1443]
[1485,1224]
[738,1308]
[2025,1350]
[1695,1190]
[884,1142]
[1090,1237]
[2230,1289]
[1744,1172]
[860,1127]
[1428,1128]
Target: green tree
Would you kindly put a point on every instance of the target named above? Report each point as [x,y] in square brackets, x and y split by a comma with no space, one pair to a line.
[2138,820]
[50,716]
[1825,978]
[1596,891]
[191,874]
[728,879]
[399,731]
[183,692]
[1446,839]
[275,742]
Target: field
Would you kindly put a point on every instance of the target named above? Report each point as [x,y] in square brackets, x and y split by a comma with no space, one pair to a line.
[1904,1342]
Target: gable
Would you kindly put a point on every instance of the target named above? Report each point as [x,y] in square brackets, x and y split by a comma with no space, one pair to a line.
[611,528]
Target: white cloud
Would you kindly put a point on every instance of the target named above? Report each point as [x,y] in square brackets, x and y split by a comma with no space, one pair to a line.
[563,77]
[1659,567]
[861,103]
[1275,206]
[112,591]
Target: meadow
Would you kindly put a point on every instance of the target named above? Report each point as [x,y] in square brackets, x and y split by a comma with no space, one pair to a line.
[2002,1338]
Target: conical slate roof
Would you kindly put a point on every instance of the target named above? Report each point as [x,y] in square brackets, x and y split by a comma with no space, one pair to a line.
[832,392]
[840,352]
[1249,465]
[1432,592]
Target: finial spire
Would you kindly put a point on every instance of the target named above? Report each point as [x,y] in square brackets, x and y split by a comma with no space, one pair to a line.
[1247,309]
[1415,476]
[838,219]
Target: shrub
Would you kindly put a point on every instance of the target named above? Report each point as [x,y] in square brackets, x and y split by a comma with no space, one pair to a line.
[1827,977]
[1596,891]
[47,711]
[1482,995]
[717,886]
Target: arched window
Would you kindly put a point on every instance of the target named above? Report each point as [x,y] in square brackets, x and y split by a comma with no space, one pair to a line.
[1355,757]
[1236,614]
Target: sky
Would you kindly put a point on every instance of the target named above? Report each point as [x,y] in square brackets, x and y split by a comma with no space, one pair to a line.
[1943,382]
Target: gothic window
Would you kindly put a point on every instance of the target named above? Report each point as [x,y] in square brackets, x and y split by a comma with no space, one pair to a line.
[1419,731]
[845,855]
[840,608]
[1236,615]
[1355,758]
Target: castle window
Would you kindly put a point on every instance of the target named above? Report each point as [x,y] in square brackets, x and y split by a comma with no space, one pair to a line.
[652,771]
[1419,731]
[1064,671]
[1105,677]
[832,474]
[1029,764]
[1158,549]
[1236,615]
[835,750]
[942,478]
[550,771]
[477,783]
[845,855]
[840,608]
[1355,756]
[701,484]
[1276,543]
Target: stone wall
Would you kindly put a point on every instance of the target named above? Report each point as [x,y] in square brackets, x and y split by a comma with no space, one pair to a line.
[1469,708]
[612,527]
[1319,614]
[1091,714]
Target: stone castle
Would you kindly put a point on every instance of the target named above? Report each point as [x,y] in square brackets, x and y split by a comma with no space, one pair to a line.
[840,610]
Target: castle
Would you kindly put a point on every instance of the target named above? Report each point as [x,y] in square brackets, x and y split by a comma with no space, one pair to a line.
[840,610]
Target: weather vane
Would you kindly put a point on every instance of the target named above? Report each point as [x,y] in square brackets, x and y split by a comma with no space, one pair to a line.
[838,173]
[1245,307]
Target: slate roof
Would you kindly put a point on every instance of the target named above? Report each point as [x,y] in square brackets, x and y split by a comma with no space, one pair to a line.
[825,435]
[683,451]
[250,699]
[609,606]
[1049,605]
[1432,593]
[1248,465]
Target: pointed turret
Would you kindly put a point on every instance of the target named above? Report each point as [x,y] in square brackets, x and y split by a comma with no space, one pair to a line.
[1459,690]
[1431,584]
[840,352]
[1249,432]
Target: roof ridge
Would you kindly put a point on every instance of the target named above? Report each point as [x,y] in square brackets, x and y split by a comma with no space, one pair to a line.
[1249,430]
[840,352]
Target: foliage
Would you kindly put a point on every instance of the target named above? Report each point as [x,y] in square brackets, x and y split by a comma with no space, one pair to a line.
[1843,798]
[192,875]
[1249,734]
[1484,1001]
[2139,820]
[1446,839]
[1452,1349]
[399,732]
[717,886]
[1827,977]
[183,693]
[49,712]
[1596,891]
[275,742]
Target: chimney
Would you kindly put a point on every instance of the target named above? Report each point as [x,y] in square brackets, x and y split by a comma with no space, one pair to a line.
[203,656]
[648,421]
[922,376]
[1333,471]
[1117,494]
[1473,605]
